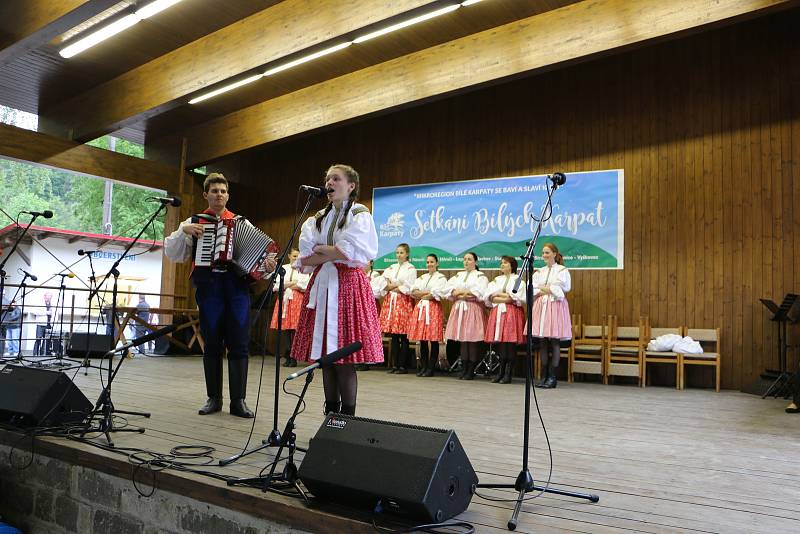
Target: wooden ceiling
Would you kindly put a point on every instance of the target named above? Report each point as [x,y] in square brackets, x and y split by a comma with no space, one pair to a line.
[138,83]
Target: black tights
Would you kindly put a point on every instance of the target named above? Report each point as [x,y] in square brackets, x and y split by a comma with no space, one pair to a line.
[470,351]
[340,383]
[550,351]
[398,351]
[287,336]
[425,353]
[505,351]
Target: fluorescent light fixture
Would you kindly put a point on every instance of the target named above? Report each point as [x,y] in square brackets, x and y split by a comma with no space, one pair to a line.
[469,2]
[155,7]
[225,89]
[309,57]
[100,35]
[115,27]
[406,23]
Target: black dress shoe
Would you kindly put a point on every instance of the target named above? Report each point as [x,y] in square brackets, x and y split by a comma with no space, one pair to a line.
[240,409]
[212,405]
[401,371]
[292,362]
[550,383]
[287,362]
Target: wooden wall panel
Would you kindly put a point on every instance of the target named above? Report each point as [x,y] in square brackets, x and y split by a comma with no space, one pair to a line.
[707,129]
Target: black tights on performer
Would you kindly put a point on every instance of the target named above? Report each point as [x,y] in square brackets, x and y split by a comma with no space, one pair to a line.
[340,383]
[506,352]
[427,357]
[399,353]
[470,356]
[550,354]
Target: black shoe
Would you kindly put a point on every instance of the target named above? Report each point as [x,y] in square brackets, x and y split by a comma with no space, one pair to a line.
[332,407]
[550,383]
[401,371]
[420,372]
[212,405]
[348,410]
[500,373]
[292,362]
[240,409]
[392,371]
[287,362]
[506,379]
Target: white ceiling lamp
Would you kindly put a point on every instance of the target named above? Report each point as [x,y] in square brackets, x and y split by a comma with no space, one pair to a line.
[469,2]
[307,58]
[225,89]
[116,27]
[406,23]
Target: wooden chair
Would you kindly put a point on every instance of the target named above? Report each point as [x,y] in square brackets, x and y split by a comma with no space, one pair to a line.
[588,351]
[625,351]
[667,357]
[708,339]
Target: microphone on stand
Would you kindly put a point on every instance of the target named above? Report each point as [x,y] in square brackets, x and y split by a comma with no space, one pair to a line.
[26,273]
[318,192]
[47,214]
[82,252]
[172,201]
[558,178]
[328,359]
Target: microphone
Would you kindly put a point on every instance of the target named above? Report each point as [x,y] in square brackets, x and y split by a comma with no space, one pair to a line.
[82,252]
[145,339]
[47,214]
[29,275]
[328,359]
[558,178]
[318,192]
[172,201]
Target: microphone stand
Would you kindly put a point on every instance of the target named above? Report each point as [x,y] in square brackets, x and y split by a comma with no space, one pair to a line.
[104,403]
[274,438]
[288,440]
[22,287]
[8,256]
[524,482]
[104,406]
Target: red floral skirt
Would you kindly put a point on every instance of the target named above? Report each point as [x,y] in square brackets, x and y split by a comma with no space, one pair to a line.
[426,325]
[395,315]
[511,328]
[291,312]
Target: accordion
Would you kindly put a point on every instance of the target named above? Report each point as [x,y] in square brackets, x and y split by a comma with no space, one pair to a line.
[233,243]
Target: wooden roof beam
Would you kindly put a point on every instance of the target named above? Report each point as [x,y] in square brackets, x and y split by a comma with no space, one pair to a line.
[37,22]
[575,32]
[164,83]
[33,147]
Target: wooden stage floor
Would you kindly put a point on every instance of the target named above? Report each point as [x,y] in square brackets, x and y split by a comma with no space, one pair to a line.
[661,460]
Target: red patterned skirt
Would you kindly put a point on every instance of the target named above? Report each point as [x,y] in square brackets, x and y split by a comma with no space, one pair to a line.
[551,319]
[395,316]
[511,327]
[358,319]
[291,312]
[425,323]
[468,324]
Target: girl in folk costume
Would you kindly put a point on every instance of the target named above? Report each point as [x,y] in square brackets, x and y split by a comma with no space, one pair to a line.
[396,308]
[506,325]
[425,325]
[467,320]
[551,319]
[339,307]
[294,285]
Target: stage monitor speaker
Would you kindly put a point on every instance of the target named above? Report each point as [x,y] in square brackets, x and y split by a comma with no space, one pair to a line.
[31,396]
[83,345]
[420,472]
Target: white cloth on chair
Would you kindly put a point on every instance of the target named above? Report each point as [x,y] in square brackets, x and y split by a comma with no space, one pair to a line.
[663,343]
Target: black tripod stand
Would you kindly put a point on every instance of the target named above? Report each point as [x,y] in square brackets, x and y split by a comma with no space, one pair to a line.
[274,438]
[524,482]
[787,312]
[288,441]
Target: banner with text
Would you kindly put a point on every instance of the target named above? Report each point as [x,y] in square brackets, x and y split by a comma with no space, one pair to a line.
[495,217]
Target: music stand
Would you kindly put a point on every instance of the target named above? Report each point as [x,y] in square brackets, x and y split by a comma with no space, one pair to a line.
[787,312]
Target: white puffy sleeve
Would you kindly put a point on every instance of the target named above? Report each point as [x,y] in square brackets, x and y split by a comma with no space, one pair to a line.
[378,285]
[306,244]
[562,284]
[537,280]
[358,241]
[437,285]
[492,289]
[418,283]
[406,277]
[302,281]
[517,298]
[452,284]
[178,245]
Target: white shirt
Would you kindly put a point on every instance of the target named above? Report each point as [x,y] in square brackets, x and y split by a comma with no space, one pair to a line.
[556,278]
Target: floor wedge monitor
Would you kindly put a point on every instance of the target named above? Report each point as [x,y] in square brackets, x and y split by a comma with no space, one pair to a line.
[31,396]
[416,471]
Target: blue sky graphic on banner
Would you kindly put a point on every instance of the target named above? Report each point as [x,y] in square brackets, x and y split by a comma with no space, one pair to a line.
[493,218]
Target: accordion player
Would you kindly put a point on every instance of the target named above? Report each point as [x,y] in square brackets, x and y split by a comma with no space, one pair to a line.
[233,243]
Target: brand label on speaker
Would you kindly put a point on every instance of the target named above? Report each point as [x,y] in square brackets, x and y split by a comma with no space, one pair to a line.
[338,424]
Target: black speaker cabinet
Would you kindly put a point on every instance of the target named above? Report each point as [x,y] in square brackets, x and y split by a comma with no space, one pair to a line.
[83,345]
[40,397]
[416,471]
